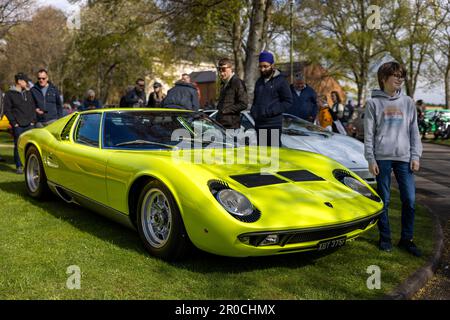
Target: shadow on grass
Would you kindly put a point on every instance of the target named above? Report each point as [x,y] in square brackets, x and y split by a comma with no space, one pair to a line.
[8,164]
[198,261]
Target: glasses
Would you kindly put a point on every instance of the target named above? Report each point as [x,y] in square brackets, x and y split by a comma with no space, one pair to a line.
[399,76]
[42,78]
[222,69]
[141,85]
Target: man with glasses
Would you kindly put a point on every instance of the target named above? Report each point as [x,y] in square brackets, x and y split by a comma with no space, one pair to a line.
[48,100]
[392,143]
[272,97]
[233,96]
[136,98]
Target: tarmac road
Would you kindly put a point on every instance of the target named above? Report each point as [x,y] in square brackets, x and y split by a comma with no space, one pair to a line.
[433,190]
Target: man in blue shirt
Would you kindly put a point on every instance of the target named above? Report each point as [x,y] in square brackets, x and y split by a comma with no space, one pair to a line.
[304,100]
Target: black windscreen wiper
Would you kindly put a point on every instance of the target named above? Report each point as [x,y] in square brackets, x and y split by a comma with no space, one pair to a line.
[143,142]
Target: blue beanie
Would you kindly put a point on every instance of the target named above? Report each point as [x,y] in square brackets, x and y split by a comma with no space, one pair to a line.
[266,56]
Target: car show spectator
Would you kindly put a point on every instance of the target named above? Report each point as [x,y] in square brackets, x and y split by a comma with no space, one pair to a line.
[304,100]
[348,113]
[156,97]
[392,143]
[421,118]
[1,115]
[20,109]
[272,97]
[183,95]
[233,96]
[337,112]
[135,98]
[90,102]
[325,118]
[47,99]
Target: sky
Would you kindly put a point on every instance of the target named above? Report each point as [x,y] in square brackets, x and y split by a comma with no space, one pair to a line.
[60,4]
[435,95]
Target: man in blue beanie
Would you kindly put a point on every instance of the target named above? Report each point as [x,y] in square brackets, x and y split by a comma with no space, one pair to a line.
[272,97]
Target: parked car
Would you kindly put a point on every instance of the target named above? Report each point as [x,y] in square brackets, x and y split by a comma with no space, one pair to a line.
[303,135]
[132,166]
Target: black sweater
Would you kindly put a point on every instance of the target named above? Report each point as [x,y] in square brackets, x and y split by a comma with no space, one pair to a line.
[19,107]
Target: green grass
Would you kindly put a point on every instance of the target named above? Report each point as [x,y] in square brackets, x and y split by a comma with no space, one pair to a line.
[439,141]
[38,241]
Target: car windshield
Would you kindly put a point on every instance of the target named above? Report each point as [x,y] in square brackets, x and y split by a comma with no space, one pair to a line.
[162,130]
[293,125]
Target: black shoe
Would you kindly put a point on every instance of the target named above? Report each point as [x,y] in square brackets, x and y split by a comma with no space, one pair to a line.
[410,247]
[19,170]
[385,245]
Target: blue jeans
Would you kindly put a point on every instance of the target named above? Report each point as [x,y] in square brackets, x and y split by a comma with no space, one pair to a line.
[17,131]
[405,179]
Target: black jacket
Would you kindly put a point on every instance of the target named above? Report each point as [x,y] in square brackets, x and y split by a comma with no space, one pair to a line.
[2,110]
[271,100]
[183,95]
[134,99]
[153,101]
[232,100]
[51,104]
[305,105]
[20,107]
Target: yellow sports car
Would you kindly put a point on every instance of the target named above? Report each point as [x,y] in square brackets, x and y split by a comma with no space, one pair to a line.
[162,172]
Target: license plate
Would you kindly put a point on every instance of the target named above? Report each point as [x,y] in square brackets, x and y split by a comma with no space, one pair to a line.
[331,244]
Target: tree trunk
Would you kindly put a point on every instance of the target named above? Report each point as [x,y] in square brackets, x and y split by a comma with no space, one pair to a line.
[360,89]
[255,44]
[447,86]
[237,47]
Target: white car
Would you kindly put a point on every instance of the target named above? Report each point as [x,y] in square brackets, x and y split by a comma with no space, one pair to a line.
[303,135]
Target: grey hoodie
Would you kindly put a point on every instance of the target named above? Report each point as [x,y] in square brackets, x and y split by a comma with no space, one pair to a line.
[391,131]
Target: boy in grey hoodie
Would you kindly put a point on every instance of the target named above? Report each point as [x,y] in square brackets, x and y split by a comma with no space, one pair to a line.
[392,143]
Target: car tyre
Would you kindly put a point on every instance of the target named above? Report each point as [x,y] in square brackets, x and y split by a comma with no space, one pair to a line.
[35,177]
[160,225]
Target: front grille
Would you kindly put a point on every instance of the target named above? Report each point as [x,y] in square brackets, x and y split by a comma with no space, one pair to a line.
[324,234]
[312,234]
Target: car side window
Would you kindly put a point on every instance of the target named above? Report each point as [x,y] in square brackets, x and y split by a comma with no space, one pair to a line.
[88,128]
[65,133]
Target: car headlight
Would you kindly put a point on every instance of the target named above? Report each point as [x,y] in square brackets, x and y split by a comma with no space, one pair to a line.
[346,178]
[234,202]
[357,186]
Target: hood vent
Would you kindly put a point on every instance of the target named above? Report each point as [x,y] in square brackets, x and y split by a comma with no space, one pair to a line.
[300,175]
[257,180]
